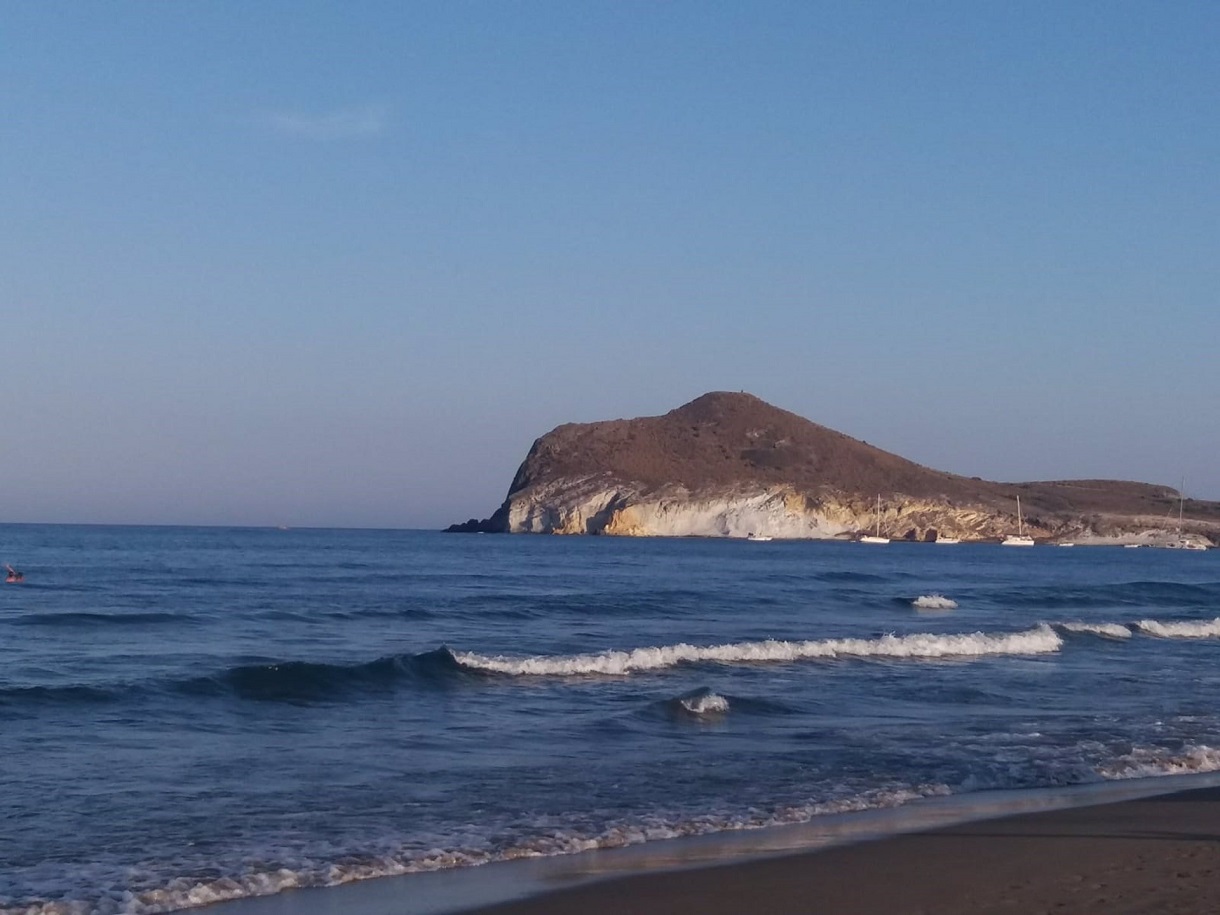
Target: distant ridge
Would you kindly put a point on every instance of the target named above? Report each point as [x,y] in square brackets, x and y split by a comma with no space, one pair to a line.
[726,458]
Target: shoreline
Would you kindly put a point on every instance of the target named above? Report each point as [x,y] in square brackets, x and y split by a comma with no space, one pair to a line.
[961,841]
[1156,854]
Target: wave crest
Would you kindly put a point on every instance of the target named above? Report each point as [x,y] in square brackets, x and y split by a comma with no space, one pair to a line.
[1039,640]
[1145,762]
[703,702]
[1193,629]
[1106,630]
[934,602]
[312,681]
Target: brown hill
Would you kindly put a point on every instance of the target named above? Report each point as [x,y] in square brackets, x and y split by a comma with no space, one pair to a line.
[725,441]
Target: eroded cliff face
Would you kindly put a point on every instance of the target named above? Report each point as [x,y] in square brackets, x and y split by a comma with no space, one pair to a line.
[590,506]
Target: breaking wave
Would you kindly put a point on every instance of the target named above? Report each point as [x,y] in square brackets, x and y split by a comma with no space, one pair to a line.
[192,891]
[934,602]
[313,681]
[1193,629]
[703,702]
[1105,630]
[1146,762]
[1042,639]
[296,870]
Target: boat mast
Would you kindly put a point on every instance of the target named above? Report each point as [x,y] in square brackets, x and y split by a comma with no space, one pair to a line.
[1020,526]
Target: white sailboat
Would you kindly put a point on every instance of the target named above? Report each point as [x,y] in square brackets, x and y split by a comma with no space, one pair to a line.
[876,538]
[1184,543]
[1020,538]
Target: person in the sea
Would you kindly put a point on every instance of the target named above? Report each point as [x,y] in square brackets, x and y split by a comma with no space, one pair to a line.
[13,575]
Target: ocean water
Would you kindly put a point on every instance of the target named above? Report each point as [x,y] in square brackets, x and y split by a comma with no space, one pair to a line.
[196,714]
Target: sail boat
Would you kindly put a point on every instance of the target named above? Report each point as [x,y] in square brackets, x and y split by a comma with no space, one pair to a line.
[1183,543]
[1020,538]
[876,538]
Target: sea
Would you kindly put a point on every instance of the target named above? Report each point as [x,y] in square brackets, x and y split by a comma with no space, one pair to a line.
[190,715]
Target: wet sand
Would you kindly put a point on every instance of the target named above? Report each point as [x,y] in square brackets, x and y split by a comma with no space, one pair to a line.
[1153,855]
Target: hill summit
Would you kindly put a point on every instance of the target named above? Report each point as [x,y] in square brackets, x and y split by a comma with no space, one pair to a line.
[730,464]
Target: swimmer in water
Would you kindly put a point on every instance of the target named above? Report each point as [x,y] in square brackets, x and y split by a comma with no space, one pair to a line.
[13,575]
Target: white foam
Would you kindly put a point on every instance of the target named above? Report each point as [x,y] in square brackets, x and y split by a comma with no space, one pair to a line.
[934,602]
[185,893]
[189,892]
[1107,630]
[48,908]
[705,704]
[1144,762]
[1200,629]
[1039,640]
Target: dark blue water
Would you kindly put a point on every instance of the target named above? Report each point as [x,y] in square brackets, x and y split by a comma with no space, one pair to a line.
[196,714]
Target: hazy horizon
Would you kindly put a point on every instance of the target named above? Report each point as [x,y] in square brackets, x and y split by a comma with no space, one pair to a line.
[307,265]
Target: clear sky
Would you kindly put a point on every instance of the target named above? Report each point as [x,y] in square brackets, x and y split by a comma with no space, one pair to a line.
[340,263]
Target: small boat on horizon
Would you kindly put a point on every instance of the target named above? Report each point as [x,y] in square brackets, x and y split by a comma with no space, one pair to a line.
[876,538]
[1183,542]
[1020,538]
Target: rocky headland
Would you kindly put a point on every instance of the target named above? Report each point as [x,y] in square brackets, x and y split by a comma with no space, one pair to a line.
[731,465]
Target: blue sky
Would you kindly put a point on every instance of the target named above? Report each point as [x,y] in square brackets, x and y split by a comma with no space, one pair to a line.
[340,263]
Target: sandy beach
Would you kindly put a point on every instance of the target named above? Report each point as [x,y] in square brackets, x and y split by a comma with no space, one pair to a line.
[1152,855]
